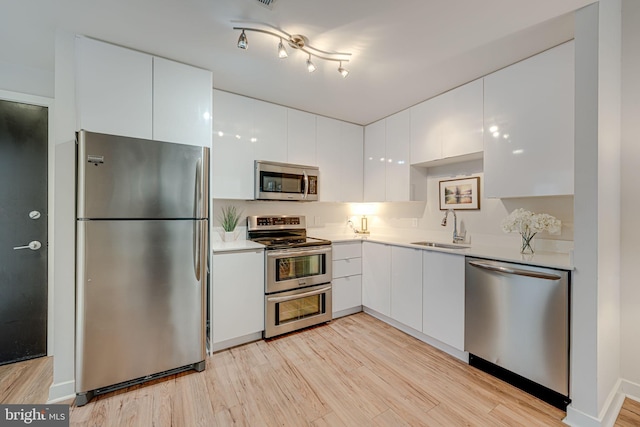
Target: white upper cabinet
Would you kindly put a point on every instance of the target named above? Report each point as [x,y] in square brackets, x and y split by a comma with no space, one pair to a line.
[386,159]
[529,126]
[244,130]
[114,89]
[374,161]
[181,103]
[448,126]
[232,154]
[301,138]
[124,92]
[339,148]
[269,131]
[398,152]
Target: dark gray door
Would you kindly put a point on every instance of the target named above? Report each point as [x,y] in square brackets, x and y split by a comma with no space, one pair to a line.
[23,231]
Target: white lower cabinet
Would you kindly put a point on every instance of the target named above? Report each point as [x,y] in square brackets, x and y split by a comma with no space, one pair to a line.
[376,277]
[418,288]
[237,297]
[443,297]
[347,278]
[406,286]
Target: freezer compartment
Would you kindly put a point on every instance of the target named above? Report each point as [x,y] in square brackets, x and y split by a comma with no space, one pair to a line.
[131,178]
[140,299]
[517,317]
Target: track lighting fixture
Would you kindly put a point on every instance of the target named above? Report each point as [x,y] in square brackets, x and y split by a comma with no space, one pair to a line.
[310,67]
[282,52]
[242,41]
[343,71]
[295,41]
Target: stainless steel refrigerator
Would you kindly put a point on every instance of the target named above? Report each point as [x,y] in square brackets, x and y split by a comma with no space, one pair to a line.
[141,268]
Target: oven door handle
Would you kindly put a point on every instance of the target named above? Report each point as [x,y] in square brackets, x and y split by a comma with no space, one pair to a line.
[297,296]
[298,252]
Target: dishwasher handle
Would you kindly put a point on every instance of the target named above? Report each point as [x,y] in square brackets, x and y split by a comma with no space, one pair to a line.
[517,271]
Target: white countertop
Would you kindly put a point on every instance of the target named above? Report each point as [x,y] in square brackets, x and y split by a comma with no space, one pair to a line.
[235,246]
[558,260]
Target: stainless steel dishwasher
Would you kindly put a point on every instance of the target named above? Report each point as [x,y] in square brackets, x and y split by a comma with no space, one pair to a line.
[517,326]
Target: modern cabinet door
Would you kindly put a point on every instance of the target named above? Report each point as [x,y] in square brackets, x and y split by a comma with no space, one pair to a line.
[301,138]
[443,297]
[181,103]
[398,152]
[463,130]
[269,131]
[232,153]
[237,298]
[529,126]
[352,139]
[406,286]
[114,89]
[376,277]
[375,161]
[346,293]
[339,153]
[448,125]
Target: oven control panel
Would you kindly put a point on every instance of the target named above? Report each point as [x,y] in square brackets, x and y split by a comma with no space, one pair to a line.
[276,222]
[269,220]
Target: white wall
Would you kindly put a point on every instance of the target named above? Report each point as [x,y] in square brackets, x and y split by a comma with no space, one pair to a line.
[63,386]
[595,348]
[630,239]
[420,219]
[19,78]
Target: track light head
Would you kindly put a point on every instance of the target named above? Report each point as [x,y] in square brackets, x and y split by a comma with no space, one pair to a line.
[343,71]
[282,52]
[310,67]
[294,41]
[242,41]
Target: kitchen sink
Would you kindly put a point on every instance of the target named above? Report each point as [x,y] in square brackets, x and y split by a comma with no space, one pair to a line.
[440,245]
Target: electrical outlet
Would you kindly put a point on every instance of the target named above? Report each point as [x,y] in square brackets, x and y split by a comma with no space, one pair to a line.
[414,222]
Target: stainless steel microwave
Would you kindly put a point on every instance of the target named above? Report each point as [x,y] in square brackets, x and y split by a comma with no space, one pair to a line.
[284,181]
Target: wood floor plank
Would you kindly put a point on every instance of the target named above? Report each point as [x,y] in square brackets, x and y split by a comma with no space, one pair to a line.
[355,370]
[629,414]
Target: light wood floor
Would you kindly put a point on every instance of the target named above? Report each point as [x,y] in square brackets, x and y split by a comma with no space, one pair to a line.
[355,371]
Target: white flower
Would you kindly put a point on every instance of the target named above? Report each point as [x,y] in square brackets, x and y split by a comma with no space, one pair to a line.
[528,223]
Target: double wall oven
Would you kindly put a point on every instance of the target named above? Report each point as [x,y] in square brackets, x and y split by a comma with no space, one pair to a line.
[297,273]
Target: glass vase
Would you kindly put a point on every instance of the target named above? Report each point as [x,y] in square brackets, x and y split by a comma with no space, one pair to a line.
[526,247]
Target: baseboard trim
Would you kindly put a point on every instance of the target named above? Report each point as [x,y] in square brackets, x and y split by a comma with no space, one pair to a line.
[233,342]
[630,390]
[62,391]
[347,312]
[607,416]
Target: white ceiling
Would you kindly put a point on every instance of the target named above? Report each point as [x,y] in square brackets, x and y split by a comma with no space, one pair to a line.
[404,51]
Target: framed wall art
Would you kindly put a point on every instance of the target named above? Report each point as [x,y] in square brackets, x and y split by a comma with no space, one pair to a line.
[463,193]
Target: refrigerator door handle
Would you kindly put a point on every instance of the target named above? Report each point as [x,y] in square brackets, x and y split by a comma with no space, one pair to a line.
[196,248]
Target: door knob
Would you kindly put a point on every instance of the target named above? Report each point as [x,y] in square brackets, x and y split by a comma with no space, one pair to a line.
[33,245]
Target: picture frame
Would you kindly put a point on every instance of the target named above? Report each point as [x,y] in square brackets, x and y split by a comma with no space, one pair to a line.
[460,194]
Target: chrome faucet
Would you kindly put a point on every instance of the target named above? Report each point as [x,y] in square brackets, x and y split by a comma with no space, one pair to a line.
[457,238]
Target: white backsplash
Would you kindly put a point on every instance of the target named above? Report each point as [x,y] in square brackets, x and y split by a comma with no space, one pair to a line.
[419,220]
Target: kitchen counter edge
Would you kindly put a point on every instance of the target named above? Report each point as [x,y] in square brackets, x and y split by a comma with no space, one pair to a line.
[561,261]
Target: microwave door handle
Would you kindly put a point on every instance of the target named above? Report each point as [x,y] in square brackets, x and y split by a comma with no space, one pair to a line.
[306,184]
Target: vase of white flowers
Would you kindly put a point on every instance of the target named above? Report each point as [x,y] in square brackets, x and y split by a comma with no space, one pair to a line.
[528,224]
